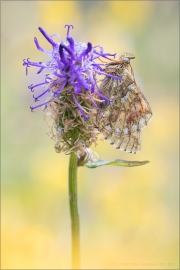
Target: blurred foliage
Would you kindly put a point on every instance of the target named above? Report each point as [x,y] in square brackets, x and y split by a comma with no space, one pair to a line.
[129,216]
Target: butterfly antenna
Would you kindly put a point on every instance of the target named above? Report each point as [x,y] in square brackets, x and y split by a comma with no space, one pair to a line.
[112,60]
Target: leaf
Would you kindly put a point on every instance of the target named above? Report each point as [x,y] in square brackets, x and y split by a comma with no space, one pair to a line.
[117,162]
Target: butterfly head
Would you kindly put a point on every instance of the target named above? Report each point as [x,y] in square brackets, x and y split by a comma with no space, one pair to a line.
[125,57]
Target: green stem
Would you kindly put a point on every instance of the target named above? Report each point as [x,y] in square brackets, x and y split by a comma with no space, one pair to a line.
[74,211]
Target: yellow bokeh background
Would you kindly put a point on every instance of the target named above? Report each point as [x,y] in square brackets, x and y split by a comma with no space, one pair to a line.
[128,216]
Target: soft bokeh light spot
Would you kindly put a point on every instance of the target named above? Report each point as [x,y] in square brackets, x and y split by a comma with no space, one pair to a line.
[58,12]
[130,13]
[54,174]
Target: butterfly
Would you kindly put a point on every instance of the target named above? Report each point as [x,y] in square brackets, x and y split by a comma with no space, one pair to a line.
[121,122]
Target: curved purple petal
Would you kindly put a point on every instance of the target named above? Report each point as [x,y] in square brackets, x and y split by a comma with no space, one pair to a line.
[49,38]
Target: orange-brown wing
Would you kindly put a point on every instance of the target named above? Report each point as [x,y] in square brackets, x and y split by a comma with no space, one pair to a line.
[130,143]
[129,112]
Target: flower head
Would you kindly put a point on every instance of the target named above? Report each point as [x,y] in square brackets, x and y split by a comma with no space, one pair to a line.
[70,91]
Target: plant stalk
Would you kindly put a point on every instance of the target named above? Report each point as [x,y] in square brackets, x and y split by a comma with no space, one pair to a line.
[75,230]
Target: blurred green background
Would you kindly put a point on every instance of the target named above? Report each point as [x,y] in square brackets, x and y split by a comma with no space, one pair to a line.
[128,216]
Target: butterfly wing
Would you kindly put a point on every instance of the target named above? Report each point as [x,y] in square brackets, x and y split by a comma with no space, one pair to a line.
[129,112]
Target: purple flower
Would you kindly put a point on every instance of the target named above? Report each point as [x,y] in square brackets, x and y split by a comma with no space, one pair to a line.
[71,64]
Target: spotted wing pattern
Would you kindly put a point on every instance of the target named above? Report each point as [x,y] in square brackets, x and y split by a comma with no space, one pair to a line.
[129,111]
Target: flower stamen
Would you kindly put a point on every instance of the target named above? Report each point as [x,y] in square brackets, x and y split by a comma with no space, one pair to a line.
[68,26]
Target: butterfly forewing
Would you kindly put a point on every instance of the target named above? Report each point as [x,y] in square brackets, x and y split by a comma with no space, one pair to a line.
[128,112]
